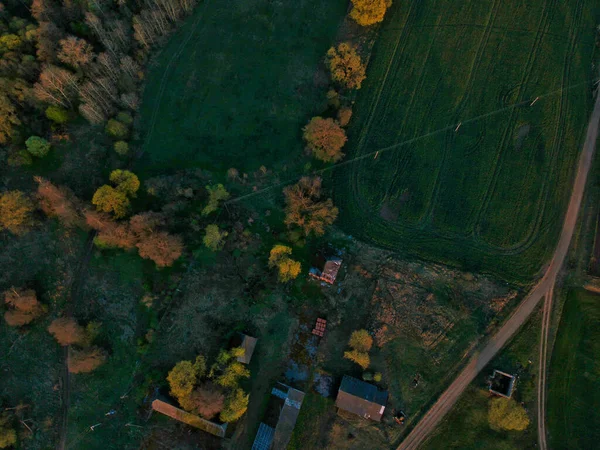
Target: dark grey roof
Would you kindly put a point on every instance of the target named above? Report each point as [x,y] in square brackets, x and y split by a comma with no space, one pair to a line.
[361,398]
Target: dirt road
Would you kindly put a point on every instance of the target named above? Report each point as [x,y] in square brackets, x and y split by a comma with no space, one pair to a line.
[432,418]
[543,362]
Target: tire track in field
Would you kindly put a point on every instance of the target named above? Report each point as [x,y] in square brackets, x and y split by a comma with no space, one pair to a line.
[354,173]
[539,38]
[475,64]
[559,130]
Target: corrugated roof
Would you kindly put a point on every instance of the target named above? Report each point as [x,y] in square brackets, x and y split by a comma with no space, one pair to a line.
[183,416]
[287,419]
[362,399]
[263,438]
[248,344]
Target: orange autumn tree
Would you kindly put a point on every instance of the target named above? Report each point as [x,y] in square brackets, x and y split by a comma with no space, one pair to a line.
[305,210]
[369,12]
[23,307]
[345,66]
[59,202]
[325,139]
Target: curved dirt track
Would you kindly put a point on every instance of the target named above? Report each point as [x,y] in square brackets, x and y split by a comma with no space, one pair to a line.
[544,288]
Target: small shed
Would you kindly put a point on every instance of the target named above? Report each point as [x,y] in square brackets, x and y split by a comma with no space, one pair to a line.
[330,270]
[502,384]
[248,344]
[190,419]
[362,399]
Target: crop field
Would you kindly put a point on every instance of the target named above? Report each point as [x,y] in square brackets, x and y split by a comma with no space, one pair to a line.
[234,86]
[490,195]
[574,374]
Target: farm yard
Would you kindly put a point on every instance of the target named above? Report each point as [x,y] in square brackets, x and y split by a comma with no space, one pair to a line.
[574,374]
[489,196]
[234,86]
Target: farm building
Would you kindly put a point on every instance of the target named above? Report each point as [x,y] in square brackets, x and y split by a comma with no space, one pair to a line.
[502,384]
[329,272]
[248,344]
[362,399]
[190,419]
[284,412]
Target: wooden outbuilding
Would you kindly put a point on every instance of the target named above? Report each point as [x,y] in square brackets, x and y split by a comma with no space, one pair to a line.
[361,398]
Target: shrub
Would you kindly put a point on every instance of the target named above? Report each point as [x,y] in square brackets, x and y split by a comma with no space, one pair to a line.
[67,331]
[20,158]
[360,358]
[377,377]
[37,146]
[325,139]
[507,414]
[122,148]
[8,435]
[57,114]
[344,115]
[367,376]
[345,66]
[361,340]
[369,12]
[116,129]
[232,374]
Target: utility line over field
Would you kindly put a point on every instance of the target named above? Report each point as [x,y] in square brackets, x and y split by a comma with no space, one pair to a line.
[453,127]
[543,289]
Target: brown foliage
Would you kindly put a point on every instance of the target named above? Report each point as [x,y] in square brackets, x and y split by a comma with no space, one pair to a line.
[23,305]
[67,331]
[207,400]
[161,247]
[146,223]
[325,138]
[344,115]
[59,202]
[303,208]
[75,52]
[85,360]
[56,86]
[15,212]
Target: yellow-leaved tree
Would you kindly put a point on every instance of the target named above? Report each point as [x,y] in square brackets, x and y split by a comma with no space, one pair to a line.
[345,66]
[369,12]
[288,269]
[507,414]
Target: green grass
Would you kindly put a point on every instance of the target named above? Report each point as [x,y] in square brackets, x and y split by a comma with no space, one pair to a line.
[234,85]
[573,396]
[315,416]
[467,427]
[491,196]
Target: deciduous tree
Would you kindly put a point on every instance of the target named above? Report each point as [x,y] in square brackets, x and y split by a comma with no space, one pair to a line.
[161,247]
[287,268]
[8,118]
[8,435]
[75,52]
[125,181]
[15,212]
[345,66]
[23,307]
[110,200]
[360,358]
[216,194]
[37,146]
[369,12]
[303,208]
[116,129]
[67,331]
[361,340]
[57,114]
[236,405]
[59,202]
[325,139]
[184,375]
[85,360]
[207,400]
[214,238]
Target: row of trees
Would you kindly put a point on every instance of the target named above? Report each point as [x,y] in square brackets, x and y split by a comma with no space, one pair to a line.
[211,392]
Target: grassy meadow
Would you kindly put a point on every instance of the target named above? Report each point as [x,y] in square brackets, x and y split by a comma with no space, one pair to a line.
[490,196]
[235,84]
[574,374]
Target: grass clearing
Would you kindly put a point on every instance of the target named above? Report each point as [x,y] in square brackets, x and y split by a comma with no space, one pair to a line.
[574,374]
[240,90]
[490,196]
[467,426]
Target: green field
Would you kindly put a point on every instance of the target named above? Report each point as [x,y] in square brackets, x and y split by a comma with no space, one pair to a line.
[573,396]
[236,83]
[489,197]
